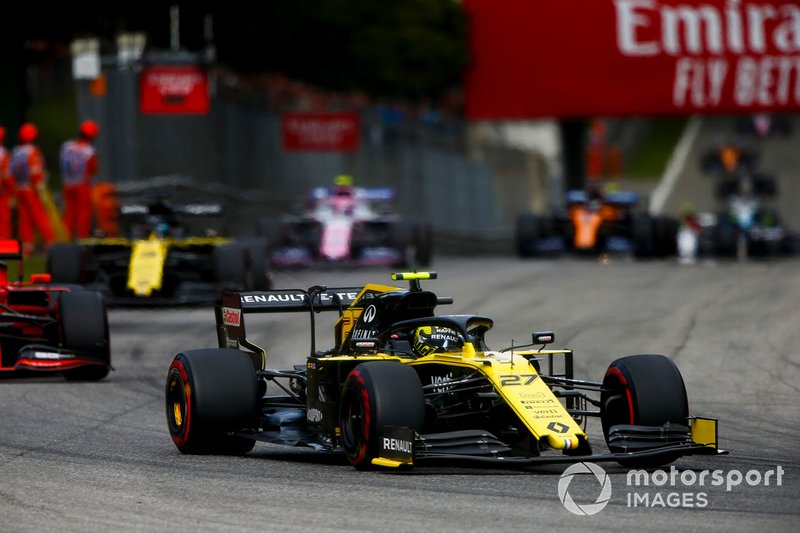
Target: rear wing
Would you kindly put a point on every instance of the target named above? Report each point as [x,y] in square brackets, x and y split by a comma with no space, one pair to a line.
[287,300]
[198,210]
[230,314]
[374,194]
[578,196]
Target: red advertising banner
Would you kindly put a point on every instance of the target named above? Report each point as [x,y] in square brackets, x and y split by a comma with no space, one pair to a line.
[582,58]
[337,131]
[174,89]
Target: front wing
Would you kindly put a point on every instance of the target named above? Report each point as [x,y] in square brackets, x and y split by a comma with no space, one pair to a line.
[44,358]
[403,447]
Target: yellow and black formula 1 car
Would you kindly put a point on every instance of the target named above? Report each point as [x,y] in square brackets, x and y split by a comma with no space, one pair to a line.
[164,259]
[403,385]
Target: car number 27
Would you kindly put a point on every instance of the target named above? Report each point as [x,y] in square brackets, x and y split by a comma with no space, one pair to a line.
[520,379]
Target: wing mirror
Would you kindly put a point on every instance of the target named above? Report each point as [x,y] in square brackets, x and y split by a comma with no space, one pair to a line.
[543,337]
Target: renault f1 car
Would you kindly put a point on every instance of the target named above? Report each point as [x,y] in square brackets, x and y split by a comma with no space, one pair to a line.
[347,225]
[50,328]
[165,258]
[403,386]
[595,223]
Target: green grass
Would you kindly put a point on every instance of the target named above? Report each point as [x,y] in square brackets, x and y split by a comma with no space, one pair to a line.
[655,148]
[57,120]
[34,265]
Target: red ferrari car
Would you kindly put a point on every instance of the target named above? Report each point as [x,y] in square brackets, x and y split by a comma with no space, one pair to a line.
[47,327]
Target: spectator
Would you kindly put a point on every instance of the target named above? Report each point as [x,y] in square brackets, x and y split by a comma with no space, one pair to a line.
[28,171]
[78,161]
[6,189]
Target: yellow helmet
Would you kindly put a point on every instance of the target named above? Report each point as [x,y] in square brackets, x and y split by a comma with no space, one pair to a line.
[436,339]
[343,180]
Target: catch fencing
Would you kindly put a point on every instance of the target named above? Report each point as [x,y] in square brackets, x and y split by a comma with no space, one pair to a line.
[234,155]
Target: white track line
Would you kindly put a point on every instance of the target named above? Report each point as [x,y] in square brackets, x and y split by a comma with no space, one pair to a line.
[676,163]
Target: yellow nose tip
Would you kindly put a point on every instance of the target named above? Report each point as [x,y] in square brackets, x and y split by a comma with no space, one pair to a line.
[562,442]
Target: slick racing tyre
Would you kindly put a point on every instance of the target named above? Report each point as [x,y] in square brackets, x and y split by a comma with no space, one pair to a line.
[230,265]
[398,235]
[665,231]
[209,393]
[258,277]
[644,390]
[65,263]
[376,395]
[724,236]
[528,231]
[83,321]
[643,236]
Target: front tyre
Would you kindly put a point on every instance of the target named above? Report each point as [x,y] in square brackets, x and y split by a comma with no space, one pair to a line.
[209,394]
[376,395]
[83,320]
[645,390]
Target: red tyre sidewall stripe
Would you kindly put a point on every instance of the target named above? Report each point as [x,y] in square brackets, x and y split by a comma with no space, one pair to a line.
[366,418]
[181,439]
[616,372]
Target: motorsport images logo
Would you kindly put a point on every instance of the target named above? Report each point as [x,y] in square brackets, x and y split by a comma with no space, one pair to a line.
[585,509]
[659,488]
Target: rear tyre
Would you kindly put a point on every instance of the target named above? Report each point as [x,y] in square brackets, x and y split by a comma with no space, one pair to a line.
[230,265]
[528,233]
[84,328]
[258,278]
[270,229]
[210,393]
[645,390]
[399,236]
[666,236]
[65,263]
[643,234]
[376,395]
[727,187]
[725,236]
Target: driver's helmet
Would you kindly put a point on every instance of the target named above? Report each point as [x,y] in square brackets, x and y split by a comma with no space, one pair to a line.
[343,185]
[155,224]
[436,339]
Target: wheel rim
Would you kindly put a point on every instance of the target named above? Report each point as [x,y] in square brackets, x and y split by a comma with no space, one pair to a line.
[177,405]
[177,413]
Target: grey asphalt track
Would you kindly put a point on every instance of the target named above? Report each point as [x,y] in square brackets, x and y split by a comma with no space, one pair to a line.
[98,457]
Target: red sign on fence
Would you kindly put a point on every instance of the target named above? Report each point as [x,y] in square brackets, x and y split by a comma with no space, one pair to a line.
[181,89]
[320,131]
[632,57]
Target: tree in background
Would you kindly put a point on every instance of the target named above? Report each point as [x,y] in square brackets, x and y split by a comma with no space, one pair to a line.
[414,50]
[409,49]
